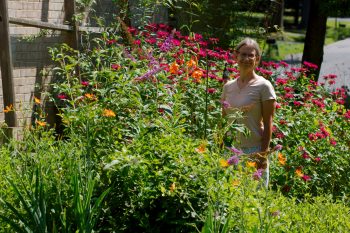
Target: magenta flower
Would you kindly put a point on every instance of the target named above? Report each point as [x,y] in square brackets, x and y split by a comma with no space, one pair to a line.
[310,65]
[85,83]
[211,90]
[62,96]
[297,103]
[317,159]
[306,178]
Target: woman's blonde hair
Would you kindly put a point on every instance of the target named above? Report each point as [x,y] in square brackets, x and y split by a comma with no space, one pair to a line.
[250,42]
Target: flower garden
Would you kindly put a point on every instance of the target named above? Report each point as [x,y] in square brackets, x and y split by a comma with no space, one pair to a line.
[144,147]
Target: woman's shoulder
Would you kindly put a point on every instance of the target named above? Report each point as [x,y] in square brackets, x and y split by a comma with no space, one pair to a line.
[263,81]
[230,82]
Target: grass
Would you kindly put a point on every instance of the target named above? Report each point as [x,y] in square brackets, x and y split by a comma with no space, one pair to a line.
[292,40]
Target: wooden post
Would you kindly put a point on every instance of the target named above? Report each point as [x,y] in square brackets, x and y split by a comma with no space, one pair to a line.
[6,69]
[70,12]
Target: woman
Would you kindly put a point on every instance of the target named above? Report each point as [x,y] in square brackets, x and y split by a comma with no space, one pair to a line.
[255,97]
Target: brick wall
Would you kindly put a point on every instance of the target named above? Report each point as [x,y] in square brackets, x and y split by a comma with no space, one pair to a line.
[30,57]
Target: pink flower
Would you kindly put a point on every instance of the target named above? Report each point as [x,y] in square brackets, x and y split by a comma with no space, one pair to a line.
[317,159]
[278,147]
[225,104]
[115,66]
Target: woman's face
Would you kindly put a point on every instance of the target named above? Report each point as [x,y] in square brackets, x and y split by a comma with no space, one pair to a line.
[247,57]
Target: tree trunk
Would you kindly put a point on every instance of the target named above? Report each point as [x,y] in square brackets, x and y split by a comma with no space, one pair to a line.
[315,36]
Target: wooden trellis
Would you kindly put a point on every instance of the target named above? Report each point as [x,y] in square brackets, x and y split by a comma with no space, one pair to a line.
[5,52]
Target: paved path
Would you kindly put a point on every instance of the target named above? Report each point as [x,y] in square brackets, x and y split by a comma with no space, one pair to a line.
[336,60]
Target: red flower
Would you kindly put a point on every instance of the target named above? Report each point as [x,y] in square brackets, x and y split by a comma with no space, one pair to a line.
[333,142]
[305,155]
[306,178]
[312,137]
[211,90]
[62,96]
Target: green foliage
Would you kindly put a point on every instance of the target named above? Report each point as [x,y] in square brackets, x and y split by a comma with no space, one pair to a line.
[143,124]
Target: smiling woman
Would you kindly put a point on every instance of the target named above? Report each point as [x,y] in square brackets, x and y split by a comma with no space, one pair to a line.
[255,97]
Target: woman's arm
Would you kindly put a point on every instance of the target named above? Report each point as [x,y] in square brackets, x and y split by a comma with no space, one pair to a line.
[268,109]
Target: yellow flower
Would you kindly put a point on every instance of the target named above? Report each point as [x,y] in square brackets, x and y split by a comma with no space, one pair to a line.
[224,163]
[108,113]
[8,108]
[36,100]
[41,123]
[251,164]
[281,159]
